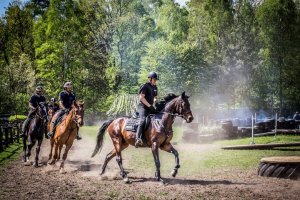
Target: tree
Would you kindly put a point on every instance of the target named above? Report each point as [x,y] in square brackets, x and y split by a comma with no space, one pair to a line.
[276,19]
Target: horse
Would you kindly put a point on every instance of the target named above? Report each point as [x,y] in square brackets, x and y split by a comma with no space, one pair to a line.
[156,136]
[66,133]
[36,131]
[51,113]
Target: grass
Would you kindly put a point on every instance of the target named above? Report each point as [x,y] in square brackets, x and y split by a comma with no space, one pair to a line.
[261,140]
[10,153]
[194,159]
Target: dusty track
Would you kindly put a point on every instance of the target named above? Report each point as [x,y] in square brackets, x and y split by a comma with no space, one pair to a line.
[83,182]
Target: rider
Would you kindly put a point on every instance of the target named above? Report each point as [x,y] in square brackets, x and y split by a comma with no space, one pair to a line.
[66,100]
[35,99]
[147,96]
[53,105]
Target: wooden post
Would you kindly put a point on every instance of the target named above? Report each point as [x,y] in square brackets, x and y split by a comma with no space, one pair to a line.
[275,125]
[1,138]
[18,132]
[10,132]
[6,136]
[252,131]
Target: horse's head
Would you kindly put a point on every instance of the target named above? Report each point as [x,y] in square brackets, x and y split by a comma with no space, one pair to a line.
[183,107]
[79,112]
[43,111]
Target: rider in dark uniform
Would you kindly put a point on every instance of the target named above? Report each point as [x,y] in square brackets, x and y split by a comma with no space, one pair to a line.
[66,100]
[35,99]
[147,96]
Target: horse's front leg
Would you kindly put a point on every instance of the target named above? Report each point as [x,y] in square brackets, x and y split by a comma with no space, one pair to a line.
[31,143]
[24,148]
[169,148]
[62,164]
[55,156]
[51,148]
[38,148]
[157,162]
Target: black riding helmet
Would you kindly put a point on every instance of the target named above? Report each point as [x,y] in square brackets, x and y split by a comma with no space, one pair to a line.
[153,75]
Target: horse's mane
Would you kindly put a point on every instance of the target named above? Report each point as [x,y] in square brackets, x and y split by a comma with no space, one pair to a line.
[160,105]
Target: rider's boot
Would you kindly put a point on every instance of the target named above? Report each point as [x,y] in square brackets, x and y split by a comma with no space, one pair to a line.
[24,128]
[138,138]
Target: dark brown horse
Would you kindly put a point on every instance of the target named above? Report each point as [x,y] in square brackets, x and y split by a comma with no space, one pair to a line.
[36,131]
[65,133]
[156,136]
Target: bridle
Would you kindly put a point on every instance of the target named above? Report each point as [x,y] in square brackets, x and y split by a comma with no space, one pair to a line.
[180,110]
[75,116]
[44,116]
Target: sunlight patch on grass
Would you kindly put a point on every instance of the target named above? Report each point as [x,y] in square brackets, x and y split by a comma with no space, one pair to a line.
[10,153]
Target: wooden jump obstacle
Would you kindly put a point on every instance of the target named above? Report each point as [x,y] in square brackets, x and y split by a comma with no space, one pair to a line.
[261,146]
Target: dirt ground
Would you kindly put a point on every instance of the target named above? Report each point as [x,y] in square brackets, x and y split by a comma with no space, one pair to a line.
[82,181]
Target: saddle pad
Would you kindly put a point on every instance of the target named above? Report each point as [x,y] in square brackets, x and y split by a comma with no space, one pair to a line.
[131,124]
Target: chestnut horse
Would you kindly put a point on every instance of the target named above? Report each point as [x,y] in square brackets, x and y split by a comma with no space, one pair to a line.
[66,133]
[157,136]
[36,131]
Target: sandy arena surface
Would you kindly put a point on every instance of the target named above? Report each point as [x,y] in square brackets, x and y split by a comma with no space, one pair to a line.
[82,181]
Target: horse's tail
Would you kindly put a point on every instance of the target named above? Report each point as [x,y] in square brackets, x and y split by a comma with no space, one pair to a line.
[100,136]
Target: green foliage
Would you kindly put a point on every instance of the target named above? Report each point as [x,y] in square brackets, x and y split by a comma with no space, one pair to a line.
[234,53]
[13,118]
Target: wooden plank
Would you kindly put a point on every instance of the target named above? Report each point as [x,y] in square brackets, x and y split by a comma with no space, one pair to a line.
[261,146]
[282,160]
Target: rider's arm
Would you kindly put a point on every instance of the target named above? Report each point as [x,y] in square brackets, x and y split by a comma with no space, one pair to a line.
[31,106]
[61,105]
[32,101]
[61,97]
[143,100]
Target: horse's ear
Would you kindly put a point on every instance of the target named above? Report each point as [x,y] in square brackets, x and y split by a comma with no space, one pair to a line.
[182,95]
[80,102]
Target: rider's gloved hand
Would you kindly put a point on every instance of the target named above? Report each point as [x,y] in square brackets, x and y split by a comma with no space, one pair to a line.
[152,109]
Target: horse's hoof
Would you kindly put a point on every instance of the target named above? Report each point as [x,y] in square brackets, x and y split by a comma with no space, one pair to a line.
[51,162]
[36,165]
[161,181]
[62,171]
[174,172]
[126,180]
[28,163]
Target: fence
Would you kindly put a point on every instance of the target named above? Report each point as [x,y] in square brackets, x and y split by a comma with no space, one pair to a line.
[9,133]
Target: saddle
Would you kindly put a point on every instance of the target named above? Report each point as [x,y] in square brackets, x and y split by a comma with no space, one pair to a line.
[133,122]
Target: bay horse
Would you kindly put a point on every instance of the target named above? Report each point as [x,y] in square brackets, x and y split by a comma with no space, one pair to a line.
[156,136]
[66,133]
[36,131]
